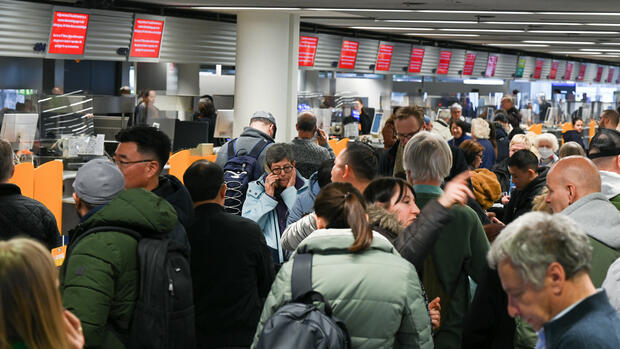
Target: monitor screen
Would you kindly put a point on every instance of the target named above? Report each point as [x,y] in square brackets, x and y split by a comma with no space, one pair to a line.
[188,134]
[376,124]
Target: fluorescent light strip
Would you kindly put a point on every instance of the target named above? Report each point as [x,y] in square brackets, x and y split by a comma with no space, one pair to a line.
[426,21]
[483,30]
[390,28]
[603,24]
[571,32]
[432,34]
[481,12]
[579,13]
[356,9]
[238,8]
[558,42]
[483,82]
[575,53]
[611,43]
[533,23]
[519,45]
[599,49]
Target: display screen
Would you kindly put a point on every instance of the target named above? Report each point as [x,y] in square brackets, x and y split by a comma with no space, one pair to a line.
[582,72]
[444,62]
[491,65]
[348,54]
[538,68]
[610,74]
[520,67]
[68,33]
[569,71]
[146,39]
[554,70]
[384,58]
[599,74]
[415,63]
[470,60]
[307,50]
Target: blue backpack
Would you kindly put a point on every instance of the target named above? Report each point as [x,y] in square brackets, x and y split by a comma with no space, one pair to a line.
[239,170]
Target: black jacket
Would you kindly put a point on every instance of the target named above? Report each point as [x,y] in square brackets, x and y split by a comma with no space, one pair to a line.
[573,136]
[459,164]
[171,189]
[365,122]
[521,201]
[503,176]
[503,143]
[232,272]
[387,160]
[21,215]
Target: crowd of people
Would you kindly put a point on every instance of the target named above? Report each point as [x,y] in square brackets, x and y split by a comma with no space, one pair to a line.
[458,235]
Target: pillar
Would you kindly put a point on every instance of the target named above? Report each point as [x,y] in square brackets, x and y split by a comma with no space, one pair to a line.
[266,69]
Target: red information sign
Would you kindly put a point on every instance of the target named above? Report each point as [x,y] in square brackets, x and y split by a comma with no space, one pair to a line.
[470,60]
[68,33]
[146,39]
[569,71]
[491,65]
[444,62]
[582,72]
[307,50]
[538,68]
[554,70]
[599,74]
[384,58]
[610,75]
[415,62]
[348,54]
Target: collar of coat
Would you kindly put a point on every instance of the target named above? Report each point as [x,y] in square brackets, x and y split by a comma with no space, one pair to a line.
[383,221]
[338,241]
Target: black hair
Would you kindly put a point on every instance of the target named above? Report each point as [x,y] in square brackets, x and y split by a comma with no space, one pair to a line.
[500,116]
[523,160]
[149,140]
[278,152]
[306,122]
[576,118]
[206,108]
[362,159]
[382,189]
[6,160]
[324,174]
[462,124]
[203,179]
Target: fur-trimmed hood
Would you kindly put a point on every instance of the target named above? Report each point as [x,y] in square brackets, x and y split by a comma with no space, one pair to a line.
[384,222]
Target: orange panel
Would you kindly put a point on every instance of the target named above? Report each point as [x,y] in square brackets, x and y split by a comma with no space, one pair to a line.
[48,188]
[332,143]
[211,157]
[567,126]
[179,162]
[536,128]
[340,146]
[24,178]
[592,130]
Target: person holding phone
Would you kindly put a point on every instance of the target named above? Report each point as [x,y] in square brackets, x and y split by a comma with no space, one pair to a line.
[310,152]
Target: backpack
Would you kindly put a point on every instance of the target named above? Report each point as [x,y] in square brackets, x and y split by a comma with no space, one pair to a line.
[164,312]
[239,171]
[301,324]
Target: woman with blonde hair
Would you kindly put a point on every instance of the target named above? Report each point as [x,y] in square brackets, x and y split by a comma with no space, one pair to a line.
[31,311]
[481,132]
[547,145]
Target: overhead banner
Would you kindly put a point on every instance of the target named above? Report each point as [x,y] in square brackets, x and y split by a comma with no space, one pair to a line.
[444,62]
[415,63]
[569,71]
[146,39]
[554,70]
[538,68]
[520,67]
[307,50]
[610,74]
[348,54]
[582,72]
[470,60]
[384,58]
[68,33]
[491,65]
[599,74]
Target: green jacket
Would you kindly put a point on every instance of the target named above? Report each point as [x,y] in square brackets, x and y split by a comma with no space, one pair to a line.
[459,252]
[375,292]
[99,280]
[616,201]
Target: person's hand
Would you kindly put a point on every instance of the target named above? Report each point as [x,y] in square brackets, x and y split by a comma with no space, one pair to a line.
[293,179]
[321,137]
[434,309]
[505,199]
[496,221]
[270,184]
[456,191]
[73,326]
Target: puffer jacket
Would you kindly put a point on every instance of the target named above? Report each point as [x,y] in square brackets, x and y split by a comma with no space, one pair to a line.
[304,203]
[99,280]
[354,284]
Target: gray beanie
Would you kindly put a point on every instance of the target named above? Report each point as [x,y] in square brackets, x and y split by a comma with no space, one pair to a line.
[98,182]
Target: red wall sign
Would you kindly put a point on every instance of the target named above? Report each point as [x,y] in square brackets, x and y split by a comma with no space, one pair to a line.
[470,60]
[491,65]
[569,71]
[582,72]
[307,50]
[444,62]
[68,33]
[554,70]
[610,75]
[384,58]
[348,54]
[146,39]
[599,74]
[415,62]
[538,68]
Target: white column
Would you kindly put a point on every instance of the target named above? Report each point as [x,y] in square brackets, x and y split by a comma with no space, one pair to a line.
[266,69]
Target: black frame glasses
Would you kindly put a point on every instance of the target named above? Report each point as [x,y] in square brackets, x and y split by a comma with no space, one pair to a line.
[286,169]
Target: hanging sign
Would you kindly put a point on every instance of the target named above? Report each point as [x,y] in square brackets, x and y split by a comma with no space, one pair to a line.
[444,62]
[470,60]
[68,33]
[146,39]
[415,63]
[348,54]
[307,50]
[384,58]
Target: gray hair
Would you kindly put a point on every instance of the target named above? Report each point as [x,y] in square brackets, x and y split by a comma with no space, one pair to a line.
[427,157]
[549,137]
[278,152]
[535,240]
[6,161]
[511,99]
[456,106]
[480,128]
[444,115]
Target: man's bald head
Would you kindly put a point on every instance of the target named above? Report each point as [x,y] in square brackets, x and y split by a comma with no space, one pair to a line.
[570,179]
[306,122]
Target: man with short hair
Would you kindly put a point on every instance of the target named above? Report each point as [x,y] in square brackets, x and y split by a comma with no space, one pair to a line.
[514,117]
[575,190]
[21,215]
[231,266]
[304,148]
[441,126]
[99,280]
[408,122]
[456,112]
[605,153]
[609,119]
[262,129]
[543,263]
[528,178]
[141,155]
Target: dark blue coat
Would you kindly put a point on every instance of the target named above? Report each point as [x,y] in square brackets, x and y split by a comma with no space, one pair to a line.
[573,136]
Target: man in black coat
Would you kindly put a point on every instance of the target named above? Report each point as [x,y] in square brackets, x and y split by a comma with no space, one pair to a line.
[529,180]
[231,266]
[20,215]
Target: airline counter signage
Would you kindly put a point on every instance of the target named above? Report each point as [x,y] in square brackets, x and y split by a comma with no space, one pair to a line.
[415,63]
[554,70]
[610,74]
[146,40]
[348,54]
[538,68]
[470,60]
[569,71]
[444,62]
[491,65]
[582,72]
[384,58]
[68,33]
[307,50]
[599,74]
[520,67]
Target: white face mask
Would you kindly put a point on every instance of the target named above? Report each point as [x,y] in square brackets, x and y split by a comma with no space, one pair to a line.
[545,152]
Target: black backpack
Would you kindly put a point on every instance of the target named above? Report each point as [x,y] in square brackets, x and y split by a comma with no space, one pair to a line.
[301,324]
[239,170]
[164,313]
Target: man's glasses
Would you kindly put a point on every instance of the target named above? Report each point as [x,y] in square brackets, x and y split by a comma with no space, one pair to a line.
[278,170]
[406,136]
[121,163]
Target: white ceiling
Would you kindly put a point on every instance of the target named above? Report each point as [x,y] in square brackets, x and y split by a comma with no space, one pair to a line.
[573,28]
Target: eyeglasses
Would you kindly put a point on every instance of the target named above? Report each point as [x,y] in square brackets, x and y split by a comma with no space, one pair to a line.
[278,170]
[121,163]
[406,136]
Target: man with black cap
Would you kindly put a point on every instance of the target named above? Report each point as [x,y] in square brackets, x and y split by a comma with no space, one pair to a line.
[99,279]
[605,153]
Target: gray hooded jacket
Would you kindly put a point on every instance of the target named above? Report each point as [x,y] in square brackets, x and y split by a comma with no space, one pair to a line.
[598,217]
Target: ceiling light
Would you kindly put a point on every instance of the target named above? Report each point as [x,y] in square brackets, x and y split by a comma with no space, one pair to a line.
[611,43]
[574,53]
[558,42]
[427,21]
[519,45]
[480,12]
[355,9]
[433,34]
[483,30]
[390,28]
[571,32]
[604,24]
[532,23]
[483,82]
[611,56]
[240,8]
[579,13]
[599,49]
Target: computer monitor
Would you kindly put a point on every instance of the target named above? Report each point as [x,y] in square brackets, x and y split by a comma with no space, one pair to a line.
[19,130]
[165,125]
[224,123]
[188,134]
[376,124]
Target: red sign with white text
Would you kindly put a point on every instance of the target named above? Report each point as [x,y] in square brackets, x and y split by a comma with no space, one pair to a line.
[307,50]
[491,65]
[146,39]
[384,59]
[582,72]
[610,75]
[569,71]
[348,54]
[470,60]
[554,70]
[68,33]
[538,68]
[444,62]
[415,62]
[599,74]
